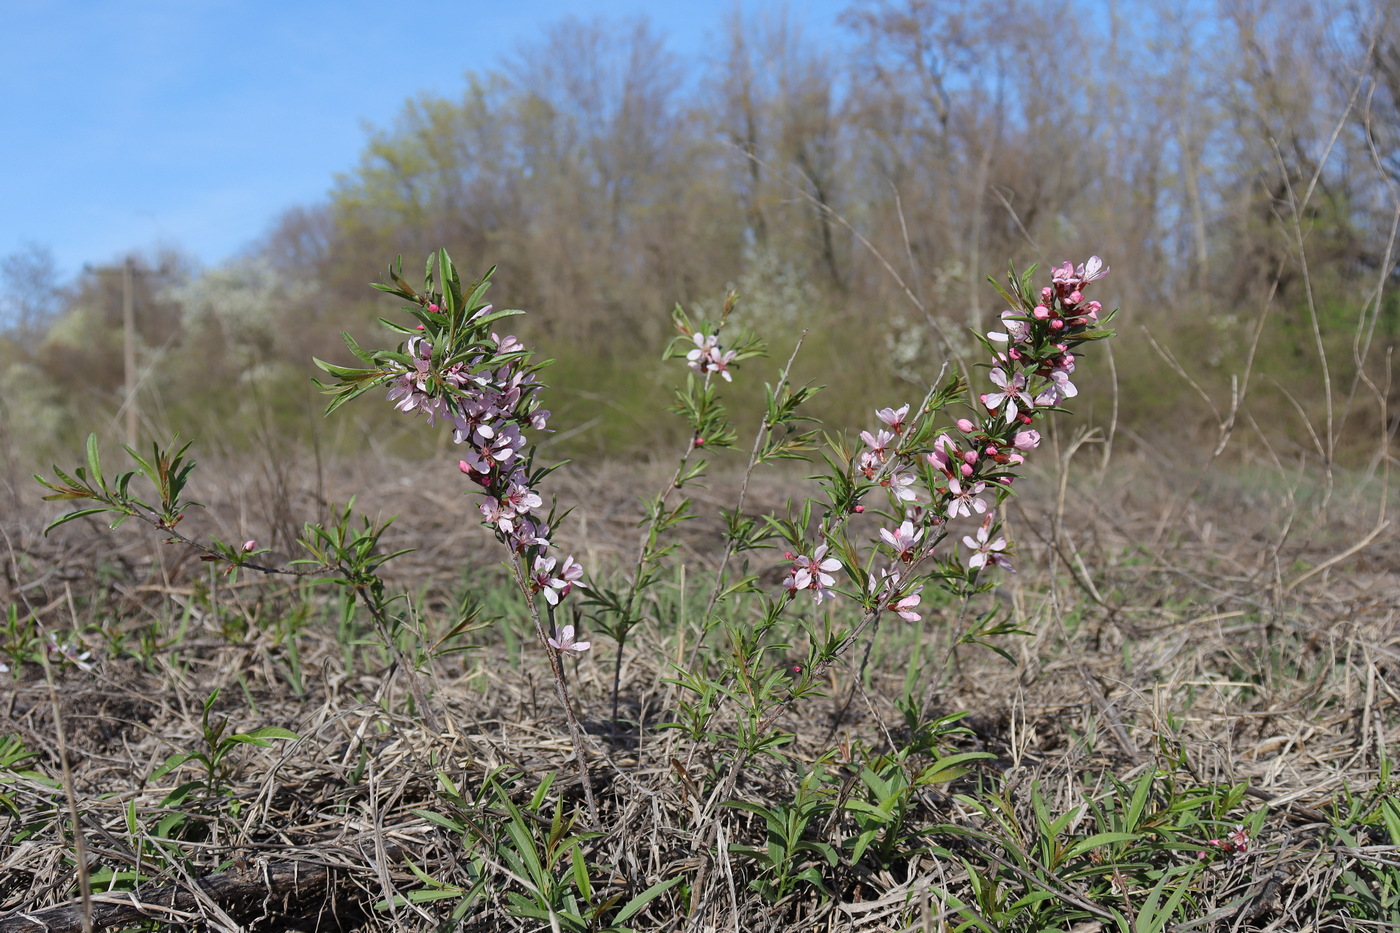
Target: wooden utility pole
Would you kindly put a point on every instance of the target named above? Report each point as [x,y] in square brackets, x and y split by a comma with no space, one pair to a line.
[129,350]
[131,377]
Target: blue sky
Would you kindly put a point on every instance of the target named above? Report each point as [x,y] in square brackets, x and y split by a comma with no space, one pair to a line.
[131,124]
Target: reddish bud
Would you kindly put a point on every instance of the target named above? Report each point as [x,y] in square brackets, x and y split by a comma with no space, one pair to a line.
[857,509]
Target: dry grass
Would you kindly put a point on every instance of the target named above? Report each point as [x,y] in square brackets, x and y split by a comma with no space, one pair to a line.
[1179,624]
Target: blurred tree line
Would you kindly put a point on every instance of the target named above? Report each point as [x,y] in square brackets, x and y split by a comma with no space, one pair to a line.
[1236,163]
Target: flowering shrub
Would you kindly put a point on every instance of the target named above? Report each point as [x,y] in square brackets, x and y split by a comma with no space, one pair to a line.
[913,474]
[455,369]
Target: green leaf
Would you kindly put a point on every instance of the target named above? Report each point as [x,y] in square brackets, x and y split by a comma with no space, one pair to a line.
[632,907]
[267,732]
[424,896]
[63,520]
[1096,840]
[171,763]
[94,468]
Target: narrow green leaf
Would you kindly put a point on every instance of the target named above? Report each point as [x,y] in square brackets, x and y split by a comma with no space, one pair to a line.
[633,906]
[72,515]
[1096,840]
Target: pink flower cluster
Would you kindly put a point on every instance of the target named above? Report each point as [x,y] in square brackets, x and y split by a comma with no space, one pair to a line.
[490,403]
[1236,843]
[812,573]
[955,476]
[707,357]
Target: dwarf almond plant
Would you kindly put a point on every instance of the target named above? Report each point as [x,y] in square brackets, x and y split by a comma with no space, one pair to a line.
[909,508]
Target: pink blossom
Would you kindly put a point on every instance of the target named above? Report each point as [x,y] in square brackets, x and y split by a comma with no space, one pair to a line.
[984,550]
[904,541]
[1013,390]
[529,533]
[563,642]
[521,498]
[1026,440]
[474,465]
[1236,843]
[905,606]
[66,651]
[1056,389]
[894,417]
[249,545]
[887,585]
[1018,329]
[1092,270]
[814,573]
[878,442]
[708,358]
[542,580]
[572,574]
[719,362]
[900,483]
[965,501]
[943,453]
[498,515]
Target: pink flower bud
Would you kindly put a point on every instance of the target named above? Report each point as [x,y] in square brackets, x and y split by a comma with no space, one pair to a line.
[1075,297]
[1040,313]
[967,469]
[249,545]
[970,457]
[1057,324]
[965,426]
[991,450]
[433,308]
[857,509]
[1047,293]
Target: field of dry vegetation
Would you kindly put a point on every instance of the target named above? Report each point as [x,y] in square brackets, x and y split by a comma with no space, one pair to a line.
[1204,649]
[1179,714]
